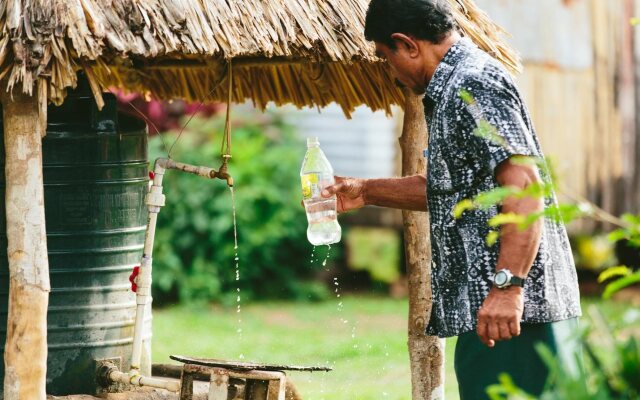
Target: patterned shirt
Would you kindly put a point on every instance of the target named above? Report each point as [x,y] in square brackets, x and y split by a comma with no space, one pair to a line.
[461,165]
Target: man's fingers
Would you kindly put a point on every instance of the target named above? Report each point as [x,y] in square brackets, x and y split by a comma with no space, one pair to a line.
[505,332]
[483,332]
[333,189]
[514,328]
[494,331]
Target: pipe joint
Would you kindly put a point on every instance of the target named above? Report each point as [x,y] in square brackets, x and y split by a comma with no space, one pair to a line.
[155,199]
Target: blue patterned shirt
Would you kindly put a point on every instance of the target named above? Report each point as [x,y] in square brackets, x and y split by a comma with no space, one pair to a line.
[460,166]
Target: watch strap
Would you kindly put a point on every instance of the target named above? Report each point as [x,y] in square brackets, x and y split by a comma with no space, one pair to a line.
[516,281]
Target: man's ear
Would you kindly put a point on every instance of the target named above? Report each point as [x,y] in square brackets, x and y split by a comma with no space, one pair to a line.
[409,43]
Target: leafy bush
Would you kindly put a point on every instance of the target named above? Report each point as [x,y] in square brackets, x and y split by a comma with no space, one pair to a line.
[194,248]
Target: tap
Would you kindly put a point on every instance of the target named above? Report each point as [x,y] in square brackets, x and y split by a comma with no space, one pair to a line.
[223,172]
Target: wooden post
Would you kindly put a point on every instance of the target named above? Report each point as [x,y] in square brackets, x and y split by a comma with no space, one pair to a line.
[25,354]
[426,353]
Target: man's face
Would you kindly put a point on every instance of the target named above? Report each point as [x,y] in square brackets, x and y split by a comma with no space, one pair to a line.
[405,66]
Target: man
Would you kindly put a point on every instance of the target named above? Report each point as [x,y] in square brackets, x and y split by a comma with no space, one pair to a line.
[499,300]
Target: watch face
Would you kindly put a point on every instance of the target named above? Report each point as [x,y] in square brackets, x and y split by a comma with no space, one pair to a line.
[500,278]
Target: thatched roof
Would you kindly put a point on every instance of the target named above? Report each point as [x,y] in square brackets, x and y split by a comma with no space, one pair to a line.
[305,52]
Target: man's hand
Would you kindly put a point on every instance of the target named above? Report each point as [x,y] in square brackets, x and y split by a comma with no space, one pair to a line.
[500,315]
[349,193]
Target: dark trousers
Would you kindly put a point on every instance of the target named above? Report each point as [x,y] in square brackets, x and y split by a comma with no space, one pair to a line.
[478,366]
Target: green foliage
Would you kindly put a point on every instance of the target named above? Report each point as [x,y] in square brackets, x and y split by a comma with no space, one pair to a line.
[376,250]
[629,231]
[194,248]
[489,132]
[620,283]
[614,272]
[507,389]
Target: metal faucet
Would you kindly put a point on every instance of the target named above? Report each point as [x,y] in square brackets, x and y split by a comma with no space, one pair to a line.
[223,172]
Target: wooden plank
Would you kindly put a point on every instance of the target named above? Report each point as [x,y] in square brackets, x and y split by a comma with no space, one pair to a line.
[243,365]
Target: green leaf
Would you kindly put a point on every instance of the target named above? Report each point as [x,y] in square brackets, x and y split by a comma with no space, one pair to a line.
[493,197]
[617,235]
[564,212]
[489,132]
[613,272]
[461,207]
[620,284]
[466,96]
[492,238]
[530,219]
[504,219]
[536,191]
[631,219]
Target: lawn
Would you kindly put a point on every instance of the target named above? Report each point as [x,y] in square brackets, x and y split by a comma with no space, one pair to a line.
[362,338]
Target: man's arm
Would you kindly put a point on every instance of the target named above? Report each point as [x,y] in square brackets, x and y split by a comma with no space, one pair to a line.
[500,315]
[408,193]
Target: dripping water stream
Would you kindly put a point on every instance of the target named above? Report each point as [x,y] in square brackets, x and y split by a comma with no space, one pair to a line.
[237,264]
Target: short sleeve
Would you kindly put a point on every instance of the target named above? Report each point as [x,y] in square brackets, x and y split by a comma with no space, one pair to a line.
[494,121]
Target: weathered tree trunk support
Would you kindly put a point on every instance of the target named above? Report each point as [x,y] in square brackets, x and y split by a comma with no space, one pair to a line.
[25,354]
[426,353]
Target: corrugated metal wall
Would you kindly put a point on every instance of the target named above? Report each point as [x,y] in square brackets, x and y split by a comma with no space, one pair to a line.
[363,146]
[579,84]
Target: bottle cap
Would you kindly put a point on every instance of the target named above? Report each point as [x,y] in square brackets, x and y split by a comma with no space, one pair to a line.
[313,141]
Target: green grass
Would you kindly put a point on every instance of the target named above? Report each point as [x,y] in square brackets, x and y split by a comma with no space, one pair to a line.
[363,340]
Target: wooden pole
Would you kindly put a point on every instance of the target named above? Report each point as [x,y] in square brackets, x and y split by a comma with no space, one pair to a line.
[25,354]
[426,353]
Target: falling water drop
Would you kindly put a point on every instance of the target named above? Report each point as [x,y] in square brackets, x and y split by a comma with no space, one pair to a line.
[237,265]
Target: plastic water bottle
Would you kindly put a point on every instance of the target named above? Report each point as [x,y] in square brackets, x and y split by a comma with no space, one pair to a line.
[316,174]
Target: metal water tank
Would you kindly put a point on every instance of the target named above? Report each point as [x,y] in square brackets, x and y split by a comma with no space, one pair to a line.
[95,179]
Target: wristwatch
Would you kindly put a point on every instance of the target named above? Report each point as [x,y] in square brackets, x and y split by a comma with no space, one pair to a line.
[505,278]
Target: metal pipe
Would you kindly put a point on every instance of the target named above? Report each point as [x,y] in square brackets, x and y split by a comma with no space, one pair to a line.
[155,200]
[204,172]
[139,380]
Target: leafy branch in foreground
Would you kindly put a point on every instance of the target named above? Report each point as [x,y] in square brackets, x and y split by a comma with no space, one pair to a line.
[627,226]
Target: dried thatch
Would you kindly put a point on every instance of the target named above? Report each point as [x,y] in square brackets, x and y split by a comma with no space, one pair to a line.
[305,52]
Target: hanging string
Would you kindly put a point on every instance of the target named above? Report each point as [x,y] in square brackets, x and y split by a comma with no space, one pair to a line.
[148,121]
[225,149]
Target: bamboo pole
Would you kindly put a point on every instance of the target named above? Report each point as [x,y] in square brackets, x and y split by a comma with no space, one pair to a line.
[25,354]
[426,353]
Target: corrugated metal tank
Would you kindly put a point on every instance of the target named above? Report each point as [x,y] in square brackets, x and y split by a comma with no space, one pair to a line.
[95,180]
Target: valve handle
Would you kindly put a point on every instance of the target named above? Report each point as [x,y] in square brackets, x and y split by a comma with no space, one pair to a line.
[132,278]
